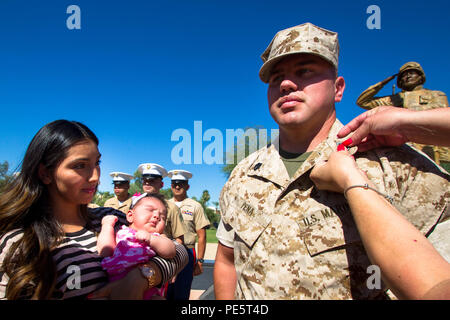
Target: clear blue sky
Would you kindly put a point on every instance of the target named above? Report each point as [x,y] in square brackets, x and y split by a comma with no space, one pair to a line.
[138,70]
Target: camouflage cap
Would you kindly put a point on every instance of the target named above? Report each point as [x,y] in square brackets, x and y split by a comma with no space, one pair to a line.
[304,38]
[412,65]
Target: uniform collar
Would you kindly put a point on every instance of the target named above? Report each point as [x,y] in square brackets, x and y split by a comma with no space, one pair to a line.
[268,165]
[124,203]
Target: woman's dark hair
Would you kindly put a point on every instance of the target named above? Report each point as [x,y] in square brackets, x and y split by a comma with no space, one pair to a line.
[24,205]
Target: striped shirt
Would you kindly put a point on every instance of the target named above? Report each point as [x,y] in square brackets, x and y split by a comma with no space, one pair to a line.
[78,265]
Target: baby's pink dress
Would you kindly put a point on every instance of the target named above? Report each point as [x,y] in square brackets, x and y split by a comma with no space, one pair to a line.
[129,252]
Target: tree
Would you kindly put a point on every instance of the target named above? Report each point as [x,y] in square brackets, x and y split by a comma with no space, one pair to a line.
[216,205]
[136,185]
[4,176]
[251,140]
[210,213]
[205,198]
[101,196]
[168,194]
[446,166]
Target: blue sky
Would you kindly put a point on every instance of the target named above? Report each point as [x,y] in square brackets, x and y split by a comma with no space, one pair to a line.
[138,70]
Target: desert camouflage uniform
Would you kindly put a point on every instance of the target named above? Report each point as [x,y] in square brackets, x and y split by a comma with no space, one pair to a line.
[293,241]
[304,38]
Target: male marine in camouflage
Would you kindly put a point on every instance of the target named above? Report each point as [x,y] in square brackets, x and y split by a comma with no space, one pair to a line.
[279,236]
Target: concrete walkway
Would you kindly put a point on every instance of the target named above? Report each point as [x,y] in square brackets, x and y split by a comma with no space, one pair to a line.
[210,256]
[210,253]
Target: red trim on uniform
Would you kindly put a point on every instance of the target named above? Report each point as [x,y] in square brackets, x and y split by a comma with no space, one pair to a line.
[195,259]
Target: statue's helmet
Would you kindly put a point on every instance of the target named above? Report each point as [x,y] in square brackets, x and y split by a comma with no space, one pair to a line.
[410,66]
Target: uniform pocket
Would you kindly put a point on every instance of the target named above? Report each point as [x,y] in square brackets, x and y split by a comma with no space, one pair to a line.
[326,231]
[187,217]
[247,222]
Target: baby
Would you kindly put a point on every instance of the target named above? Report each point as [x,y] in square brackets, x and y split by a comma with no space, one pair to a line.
[137,243]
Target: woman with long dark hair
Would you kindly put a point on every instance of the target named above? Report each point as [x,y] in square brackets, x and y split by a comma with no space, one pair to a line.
[47,232]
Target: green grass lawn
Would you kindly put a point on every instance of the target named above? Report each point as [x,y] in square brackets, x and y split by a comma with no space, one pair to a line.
[446,166]
[211,235]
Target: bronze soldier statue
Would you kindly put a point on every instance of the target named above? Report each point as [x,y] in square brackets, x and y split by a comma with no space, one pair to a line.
[414,96]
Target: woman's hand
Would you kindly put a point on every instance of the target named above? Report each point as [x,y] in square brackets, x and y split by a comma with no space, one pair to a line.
[130,287]
[377,128]
[338,173]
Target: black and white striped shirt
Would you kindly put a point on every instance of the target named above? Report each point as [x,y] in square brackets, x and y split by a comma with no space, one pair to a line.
[77,262]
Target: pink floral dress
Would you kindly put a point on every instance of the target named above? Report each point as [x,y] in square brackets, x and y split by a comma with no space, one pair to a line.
[129,252]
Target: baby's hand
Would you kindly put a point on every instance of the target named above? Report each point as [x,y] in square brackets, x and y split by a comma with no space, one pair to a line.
[109,220]
[143,235]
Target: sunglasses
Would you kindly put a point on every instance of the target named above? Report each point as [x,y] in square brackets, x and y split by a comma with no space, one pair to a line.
[180,184]
[120,184]
[149,180]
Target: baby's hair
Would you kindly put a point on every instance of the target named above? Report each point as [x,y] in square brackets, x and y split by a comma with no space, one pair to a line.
[155,195]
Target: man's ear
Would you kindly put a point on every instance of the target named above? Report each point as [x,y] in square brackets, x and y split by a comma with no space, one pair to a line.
[130,216]
[44,174]
[339,86]
[187,187]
